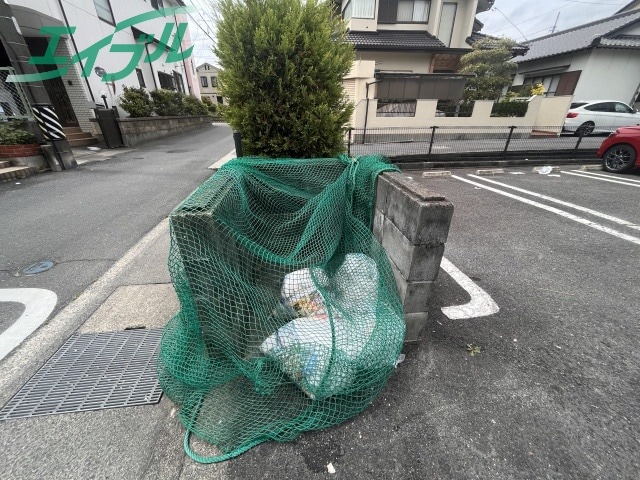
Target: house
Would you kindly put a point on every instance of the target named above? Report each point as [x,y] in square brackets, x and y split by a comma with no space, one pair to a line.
[598,60]
[407,50]
[73,95]
[208,82]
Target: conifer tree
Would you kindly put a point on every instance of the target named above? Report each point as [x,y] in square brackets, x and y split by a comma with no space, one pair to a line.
[490,61]
[282,67]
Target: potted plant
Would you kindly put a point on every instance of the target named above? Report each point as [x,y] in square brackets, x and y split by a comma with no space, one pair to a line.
[17,144]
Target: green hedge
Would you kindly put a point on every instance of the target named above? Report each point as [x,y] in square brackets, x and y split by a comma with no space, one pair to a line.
[509,109]
[165,103]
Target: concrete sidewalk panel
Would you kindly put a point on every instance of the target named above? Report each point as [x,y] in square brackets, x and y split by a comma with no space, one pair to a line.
[149,306]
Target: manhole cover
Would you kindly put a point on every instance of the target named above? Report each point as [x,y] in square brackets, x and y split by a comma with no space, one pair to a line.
[181,150]
[38,267]
[94,371]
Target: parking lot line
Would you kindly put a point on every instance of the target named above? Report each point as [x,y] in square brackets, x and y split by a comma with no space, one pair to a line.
[557,211]
[611,218]
[601,179]
[480,304]
[625,179]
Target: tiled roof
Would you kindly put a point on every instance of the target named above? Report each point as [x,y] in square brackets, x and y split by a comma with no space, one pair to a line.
[577,38]
[518,48]
[631,41]
[395,40]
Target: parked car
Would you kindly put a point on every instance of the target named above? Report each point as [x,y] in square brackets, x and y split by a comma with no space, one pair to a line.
[584,118]
[619,152]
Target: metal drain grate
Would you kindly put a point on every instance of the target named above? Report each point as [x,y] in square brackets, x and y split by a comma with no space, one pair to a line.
[93,371]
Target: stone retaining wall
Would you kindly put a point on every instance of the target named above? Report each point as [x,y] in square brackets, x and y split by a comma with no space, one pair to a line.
[136,131]
[412,224]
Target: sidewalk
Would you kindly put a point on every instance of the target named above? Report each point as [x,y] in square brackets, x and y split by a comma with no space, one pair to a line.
[97,154]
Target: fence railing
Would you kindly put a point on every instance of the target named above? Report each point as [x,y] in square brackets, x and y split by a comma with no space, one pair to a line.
[13,102]
[430,141]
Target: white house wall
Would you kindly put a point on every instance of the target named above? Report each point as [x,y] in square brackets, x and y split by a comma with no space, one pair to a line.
[90,29]
[402,62]
[611,74]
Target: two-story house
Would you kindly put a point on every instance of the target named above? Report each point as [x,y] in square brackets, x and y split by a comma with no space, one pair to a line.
[74,94]
[208,82]
[408,49]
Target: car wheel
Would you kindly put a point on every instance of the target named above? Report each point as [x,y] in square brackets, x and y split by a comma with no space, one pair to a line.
[619,158]
[585,129]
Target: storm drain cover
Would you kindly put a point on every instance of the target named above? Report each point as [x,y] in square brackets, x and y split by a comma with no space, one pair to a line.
[90,372]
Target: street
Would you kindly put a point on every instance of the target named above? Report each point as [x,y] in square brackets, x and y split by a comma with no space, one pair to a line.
[528,367]
[85,220]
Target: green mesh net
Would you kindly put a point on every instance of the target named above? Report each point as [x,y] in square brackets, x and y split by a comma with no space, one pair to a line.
[289,316]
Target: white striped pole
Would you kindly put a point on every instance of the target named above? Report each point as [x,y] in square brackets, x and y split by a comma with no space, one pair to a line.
[48,122]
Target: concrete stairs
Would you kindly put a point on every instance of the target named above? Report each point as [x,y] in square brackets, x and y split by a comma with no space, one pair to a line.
[10,172]
[78,138]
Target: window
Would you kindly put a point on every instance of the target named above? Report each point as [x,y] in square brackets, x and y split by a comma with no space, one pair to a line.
[178,81]
[403,11]
[203,82]
[166,81]
[360,9]
[214,82]
[601,107]
[447,20]
[140,78]
[103,9]
[622,108]
[157,4]
[219,99]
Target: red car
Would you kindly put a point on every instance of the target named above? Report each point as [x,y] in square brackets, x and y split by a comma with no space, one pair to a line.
[619,152]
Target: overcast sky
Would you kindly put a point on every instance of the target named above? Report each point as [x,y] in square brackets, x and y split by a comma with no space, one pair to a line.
[520,20]
[524,20]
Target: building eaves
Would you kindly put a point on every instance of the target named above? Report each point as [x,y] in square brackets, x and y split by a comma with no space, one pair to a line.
[577,38]
[395,40]
[621,41]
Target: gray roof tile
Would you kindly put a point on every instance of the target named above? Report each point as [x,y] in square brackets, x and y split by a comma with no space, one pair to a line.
[394,40]
[577,38]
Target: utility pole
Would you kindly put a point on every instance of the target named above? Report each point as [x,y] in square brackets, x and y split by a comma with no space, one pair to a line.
[19,55]
[553,29]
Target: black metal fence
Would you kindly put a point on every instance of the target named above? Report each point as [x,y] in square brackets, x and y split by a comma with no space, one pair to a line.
[432,141]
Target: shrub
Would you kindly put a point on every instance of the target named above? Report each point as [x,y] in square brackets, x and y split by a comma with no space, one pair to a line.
[509,109]
[193,106]
[167,103]
[283,62]
[14,133]
[136,102]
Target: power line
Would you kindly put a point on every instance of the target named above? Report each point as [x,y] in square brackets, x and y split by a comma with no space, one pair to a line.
[508,20]
[529,19]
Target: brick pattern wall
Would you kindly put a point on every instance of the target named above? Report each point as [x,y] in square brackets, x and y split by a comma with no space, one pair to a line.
[445,62]
[76,90]
[11,151]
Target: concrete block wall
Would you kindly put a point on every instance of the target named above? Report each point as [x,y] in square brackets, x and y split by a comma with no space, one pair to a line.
[136,131]
[412,224]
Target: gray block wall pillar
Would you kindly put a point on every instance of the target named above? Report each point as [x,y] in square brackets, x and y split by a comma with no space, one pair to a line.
[412,224]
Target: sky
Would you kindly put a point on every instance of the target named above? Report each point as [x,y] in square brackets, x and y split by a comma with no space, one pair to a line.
[523,20]
[520,20]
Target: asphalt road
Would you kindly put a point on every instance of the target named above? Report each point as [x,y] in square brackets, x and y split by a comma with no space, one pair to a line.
[84,220]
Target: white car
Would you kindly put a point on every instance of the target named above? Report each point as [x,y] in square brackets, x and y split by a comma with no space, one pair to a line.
[584,118]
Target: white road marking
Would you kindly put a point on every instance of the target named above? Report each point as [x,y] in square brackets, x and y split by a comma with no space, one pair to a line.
[611,218]
[601,179]
[38,302]
[557,211]
[480,305]
[609,176]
